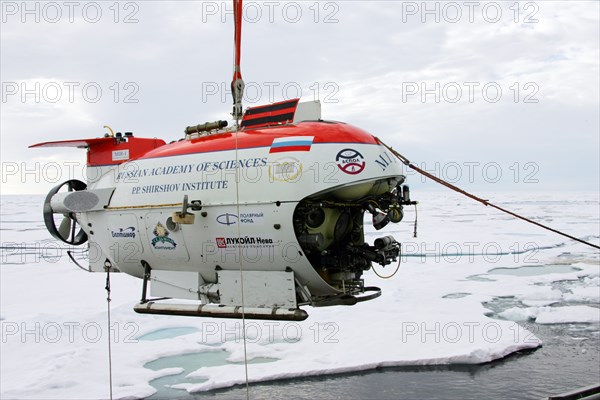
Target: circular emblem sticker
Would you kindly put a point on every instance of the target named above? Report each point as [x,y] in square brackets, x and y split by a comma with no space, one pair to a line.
[287,169]
[350,161]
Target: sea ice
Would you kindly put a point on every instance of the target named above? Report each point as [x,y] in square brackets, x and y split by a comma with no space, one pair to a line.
[568,314]
[54,321]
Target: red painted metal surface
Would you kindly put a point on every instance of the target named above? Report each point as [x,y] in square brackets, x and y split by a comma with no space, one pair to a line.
[323,132]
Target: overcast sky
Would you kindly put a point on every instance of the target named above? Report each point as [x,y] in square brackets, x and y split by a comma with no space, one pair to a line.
[490,95]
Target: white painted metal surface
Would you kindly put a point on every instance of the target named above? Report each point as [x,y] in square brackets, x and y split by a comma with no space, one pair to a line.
[261,288]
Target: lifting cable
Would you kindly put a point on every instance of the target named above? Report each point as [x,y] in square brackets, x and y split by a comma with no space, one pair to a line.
[434,178]
[107,287]
[240,255]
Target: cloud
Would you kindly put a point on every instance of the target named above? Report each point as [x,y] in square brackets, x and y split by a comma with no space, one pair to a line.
[164,65]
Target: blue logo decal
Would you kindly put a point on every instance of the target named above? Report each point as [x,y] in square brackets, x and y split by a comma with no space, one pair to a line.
[227,219]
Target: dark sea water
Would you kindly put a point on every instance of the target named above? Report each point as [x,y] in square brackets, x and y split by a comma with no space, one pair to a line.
[569,359]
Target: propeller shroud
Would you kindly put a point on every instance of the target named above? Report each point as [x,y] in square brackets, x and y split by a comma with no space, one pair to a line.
[67,230]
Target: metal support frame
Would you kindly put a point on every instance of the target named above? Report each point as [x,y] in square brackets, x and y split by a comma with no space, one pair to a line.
[147,272]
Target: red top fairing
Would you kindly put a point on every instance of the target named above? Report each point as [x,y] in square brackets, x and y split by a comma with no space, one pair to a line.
[109,151]
[323,132]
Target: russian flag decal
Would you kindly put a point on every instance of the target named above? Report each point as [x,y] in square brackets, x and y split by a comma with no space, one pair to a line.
[296,143]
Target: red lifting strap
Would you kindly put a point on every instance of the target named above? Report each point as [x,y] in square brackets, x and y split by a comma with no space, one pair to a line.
[237,12]
[237,84]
